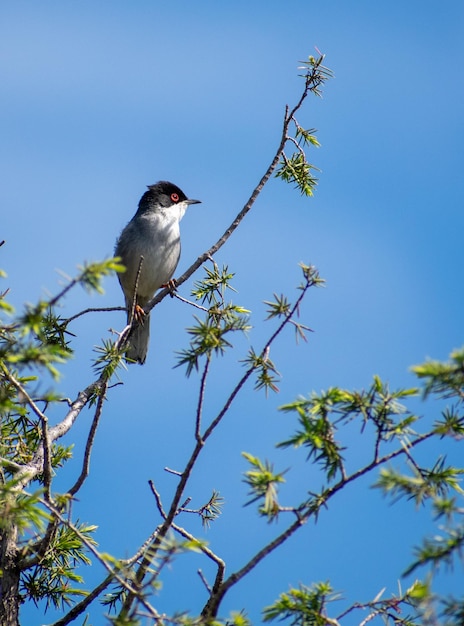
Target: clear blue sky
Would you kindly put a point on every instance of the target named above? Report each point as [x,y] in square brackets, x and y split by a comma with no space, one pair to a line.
[100,99]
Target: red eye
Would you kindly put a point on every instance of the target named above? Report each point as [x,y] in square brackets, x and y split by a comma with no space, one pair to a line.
[174,197]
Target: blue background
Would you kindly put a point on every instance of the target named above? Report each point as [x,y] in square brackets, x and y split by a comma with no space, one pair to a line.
[102,98]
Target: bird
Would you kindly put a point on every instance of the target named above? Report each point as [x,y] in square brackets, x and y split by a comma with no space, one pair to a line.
[149,248]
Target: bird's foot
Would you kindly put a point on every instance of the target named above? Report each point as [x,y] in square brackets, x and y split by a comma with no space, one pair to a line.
[139,314]
[171,285]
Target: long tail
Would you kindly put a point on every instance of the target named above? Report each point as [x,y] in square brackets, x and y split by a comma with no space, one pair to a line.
[138,342]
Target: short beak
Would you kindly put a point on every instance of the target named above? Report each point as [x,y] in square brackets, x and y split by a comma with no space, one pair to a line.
[193,201]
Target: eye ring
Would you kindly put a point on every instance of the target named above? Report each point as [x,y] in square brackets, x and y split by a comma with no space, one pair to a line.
[175,197]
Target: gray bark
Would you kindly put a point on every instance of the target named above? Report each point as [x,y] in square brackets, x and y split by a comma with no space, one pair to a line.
[9,579]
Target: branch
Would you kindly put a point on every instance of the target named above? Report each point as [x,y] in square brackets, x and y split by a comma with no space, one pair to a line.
[29,471]
[311,84]
[134,293]
[113,573]
[83,397]
[81,606]
[89,445]
[201,398]
[95,310]
[221,566]
[252,368]
[194,304]
[20,388]
[47,464]
[44,466]
[200,441]
[212,606]
[241,215]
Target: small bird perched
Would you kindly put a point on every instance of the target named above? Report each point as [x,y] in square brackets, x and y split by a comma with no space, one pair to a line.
[153,233]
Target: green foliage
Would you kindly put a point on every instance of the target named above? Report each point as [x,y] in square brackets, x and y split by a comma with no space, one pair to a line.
[446,380]
[423,484]
[309,606]
[263,483]
[33,345]
[212,287]
[453,611]
[267,375]
[280,307]
[315,74]
[304,606]
[54,575]
[20,510]
[296,169]
[39,336]
[210,511]
[91,274]
[110,359]
[211,334]
[451,424]
[440,550]
[317,432]
[321,415]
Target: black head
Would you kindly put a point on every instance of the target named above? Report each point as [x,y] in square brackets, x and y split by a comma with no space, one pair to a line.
[163,194]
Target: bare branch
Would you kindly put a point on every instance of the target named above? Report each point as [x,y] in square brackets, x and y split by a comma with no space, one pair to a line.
[194,304]
[95,310]
[157,499]
[204,581]
[89,445]
[136,286]
[201,398]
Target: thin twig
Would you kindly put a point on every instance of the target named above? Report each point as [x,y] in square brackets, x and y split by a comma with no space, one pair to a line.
[35,467]
[64,291]
[159,504]
[204,581]
[136,286]
[209,553]
[201,397]
[183,506]
[19,387]
[221,566]
[185,301]
[95,310]
[171,471]
[88,544]
[89,445]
